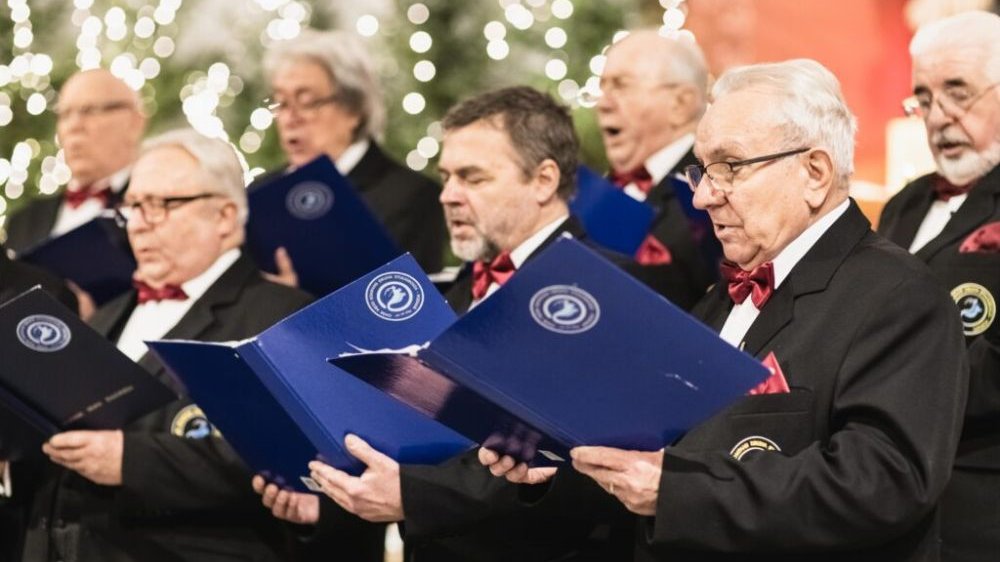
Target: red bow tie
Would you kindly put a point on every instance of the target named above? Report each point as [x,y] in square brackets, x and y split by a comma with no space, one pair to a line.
[76,197]
[946,190]
[497,271]
[639,176]
[757,284]
[167,292]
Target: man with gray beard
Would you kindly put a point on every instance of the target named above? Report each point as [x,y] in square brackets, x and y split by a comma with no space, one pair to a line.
[951,220]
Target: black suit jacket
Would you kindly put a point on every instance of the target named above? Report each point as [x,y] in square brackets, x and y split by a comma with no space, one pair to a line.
[34,223]
[971,505]
[182,498]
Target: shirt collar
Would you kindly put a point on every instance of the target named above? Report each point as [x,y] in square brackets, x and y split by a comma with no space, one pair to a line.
[793,253]
[115,181]
[195,288]
[520,254]
[662,161]
[351,156]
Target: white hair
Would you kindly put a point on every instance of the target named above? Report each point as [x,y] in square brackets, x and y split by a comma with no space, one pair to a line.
[346,60]
[809,103]
[682,61]
[974,30]
[216,158]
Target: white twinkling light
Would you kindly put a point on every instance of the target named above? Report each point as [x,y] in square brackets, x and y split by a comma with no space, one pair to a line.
[569,89]
[89,58]
[667,4]
[218,77]
[261,118]
[555,37]
[289,28]
[20,66]
[414,103]
[494,31]
[4,170]
[415,161]
[519,16]
[250,142]
[163,15]
[3,209]
[597,64]
[36,103]
[497,50]
[23,38]
[421,42]
[424,71]
[418,14]
[435,130]
[293,11]
[83,4]
[92,26]
[20,13]
[145,27]
[134,78]
[428,147]
[41,65]
[20,156]
[367,25]
[673,18]
[115,16]
[122,64]
[163,47]
[48,184]
[6,115]
[5,75]
[555,69]
[686,35]
[562,9]
[619,35]
[116,32]
[150,68]
[14,190]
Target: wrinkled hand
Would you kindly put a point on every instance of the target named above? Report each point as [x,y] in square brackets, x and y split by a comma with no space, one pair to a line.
[375,495]
[95,455]
[286,274]
[287,505]
[515,472]
[631,476]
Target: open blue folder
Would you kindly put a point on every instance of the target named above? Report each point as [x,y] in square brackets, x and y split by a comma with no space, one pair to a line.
[574,352]
[95,255]
[57,373]
[330,233]
[280,404]
[611,218]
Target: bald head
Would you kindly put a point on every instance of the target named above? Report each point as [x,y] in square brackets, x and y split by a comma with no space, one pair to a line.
[100,125]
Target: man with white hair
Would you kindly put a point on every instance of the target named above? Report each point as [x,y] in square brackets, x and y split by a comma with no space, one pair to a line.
[951,220]
[168,487]
[848,460]
[326,100]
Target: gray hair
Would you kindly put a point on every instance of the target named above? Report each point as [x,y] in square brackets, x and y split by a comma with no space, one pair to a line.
[216,158]
[810,106]
[969,30]
[345,59]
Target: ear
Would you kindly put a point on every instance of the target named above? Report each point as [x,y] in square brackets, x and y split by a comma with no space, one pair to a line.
[681,107]
[546,181]
[228,219]
[821,178]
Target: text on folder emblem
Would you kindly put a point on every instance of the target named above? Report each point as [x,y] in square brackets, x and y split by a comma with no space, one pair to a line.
[41,332]
[394,296]
[309,200]
[564,309]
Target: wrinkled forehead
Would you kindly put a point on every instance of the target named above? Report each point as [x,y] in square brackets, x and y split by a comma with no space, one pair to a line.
[738,125]
[163,172]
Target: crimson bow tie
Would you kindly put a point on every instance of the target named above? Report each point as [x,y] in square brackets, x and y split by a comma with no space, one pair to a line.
[639,176]
[497,271]
[757,284]
[76,197]
[165,293]
[946,190]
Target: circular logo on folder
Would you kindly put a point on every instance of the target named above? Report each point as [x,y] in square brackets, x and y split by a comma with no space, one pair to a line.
[394,296]
[42,332]
[565,309]
[976,307]
[309,200]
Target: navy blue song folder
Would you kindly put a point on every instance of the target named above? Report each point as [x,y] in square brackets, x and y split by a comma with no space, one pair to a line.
[611,217]
[571,351]
[280,404]
[59,374]
[317,216]
[95,255]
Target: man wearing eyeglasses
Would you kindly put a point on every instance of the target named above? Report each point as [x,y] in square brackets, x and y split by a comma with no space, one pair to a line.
[99,125]
[168,487]
[951,220]
[326,100]
[652,93]
[843,452]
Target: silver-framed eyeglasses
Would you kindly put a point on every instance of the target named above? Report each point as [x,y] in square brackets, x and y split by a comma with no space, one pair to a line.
[154,209]
[723,174]
[955,100]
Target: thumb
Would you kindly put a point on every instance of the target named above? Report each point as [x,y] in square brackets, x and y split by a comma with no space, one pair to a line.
[364,452]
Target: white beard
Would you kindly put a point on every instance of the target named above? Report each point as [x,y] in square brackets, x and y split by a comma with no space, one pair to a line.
[970,166]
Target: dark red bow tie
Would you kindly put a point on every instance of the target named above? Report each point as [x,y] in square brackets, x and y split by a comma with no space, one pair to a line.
[165,293]
[639,176]
[497,271]
[76,197]
[757,284]
[946,190]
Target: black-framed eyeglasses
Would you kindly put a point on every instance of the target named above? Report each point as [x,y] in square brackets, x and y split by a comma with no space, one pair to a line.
[301,105]
[154,210]
[92,109]
[955,100]
[722,174]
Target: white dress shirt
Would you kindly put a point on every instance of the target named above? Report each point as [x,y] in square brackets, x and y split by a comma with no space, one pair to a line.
[935,220]
[351,156]
[152,320]
[742,316]
[6,489]
[70,218]
[661,162]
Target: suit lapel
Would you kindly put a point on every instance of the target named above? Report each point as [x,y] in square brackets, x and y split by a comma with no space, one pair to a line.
[367,171]
[977,209]
[904,227]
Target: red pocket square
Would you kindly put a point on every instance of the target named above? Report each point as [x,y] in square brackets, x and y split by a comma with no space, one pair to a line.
[986,239]
[776,383]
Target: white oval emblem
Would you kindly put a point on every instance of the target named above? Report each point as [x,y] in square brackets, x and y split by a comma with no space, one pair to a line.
[394,296]
[309,200]
[976,307]
[44,333]
[565,309]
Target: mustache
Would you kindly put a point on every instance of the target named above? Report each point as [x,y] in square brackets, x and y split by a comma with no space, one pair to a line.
[949,136]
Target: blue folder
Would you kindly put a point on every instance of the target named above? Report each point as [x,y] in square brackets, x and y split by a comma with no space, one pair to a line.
[95,255]
[610,217]
[280,404]
[330,233]
[57,374]
[574,352]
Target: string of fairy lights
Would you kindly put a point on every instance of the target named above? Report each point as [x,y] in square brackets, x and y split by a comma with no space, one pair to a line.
[137,44]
